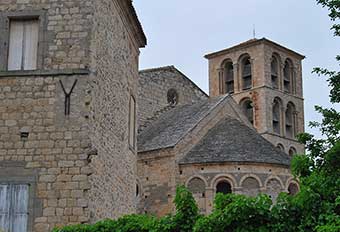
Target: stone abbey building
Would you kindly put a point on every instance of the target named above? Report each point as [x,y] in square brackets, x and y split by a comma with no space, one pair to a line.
[240,139]
[85,136]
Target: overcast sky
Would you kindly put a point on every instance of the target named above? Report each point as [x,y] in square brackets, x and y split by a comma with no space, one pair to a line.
[181,32]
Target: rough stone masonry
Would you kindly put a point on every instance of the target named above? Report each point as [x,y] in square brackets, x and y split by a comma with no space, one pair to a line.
[64,126]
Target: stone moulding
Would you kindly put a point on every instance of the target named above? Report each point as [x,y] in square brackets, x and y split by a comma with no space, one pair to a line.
[41,73]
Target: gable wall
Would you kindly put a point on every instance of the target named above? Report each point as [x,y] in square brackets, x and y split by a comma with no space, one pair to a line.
[153,88]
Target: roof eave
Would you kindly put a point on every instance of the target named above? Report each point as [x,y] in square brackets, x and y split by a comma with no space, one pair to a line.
[137,26]
[252,43]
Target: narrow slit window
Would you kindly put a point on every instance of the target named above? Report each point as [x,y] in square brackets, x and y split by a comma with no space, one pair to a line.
[287,77]
[132,122]
[276,117]
[274,73]
[246,74]
[229,77]
[23,45]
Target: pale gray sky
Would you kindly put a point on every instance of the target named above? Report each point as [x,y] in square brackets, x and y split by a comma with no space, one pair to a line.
[181,32]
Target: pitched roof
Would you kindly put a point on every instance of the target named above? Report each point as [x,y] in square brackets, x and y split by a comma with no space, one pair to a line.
[232,141]
[253,42]
[173,125]
[149,73]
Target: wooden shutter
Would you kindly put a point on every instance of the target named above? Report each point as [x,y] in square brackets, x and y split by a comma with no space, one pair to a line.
[16,45]
[20,208]
[4,207]
[30,45]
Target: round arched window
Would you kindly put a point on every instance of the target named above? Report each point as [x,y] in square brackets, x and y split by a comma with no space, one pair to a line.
[172,97]
[223,187]
[280,147]
[292,151]
[293,189]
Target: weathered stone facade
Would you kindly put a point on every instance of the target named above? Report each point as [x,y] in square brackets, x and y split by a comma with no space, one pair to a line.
[262,93]
[168,147]
[211,145]
[79,165]
[155,89]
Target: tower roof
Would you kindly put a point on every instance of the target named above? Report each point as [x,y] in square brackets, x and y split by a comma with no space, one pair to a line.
[253,42]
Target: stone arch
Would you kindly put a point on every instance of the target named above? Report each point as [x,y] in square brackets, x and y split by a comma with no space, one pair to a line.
[274,178]
[274,187]
[196,176]
[246,71]
[251,185]
[275,70]
[248,109]
[227,78]
[222,177]
[172,97]
[288,76]
[292,151]
[291,182]
[277,115]
[290,120]
[197,186]
[280,147]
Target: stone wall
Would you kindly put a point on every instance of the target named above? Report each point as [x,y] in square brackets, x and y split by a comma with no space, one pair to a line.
[115,62]
[245,179]
[262,93]
[153,88]
[80,166]
[159,170]
[56,147]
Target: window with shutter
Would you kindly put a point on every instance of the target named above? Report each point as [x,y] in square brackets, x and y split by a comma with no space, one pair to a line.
[14,207]
[23,45]
[4,207]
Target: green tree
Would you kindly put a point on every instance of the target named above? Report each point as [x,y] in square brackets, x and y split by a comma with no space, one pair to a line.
[319,169]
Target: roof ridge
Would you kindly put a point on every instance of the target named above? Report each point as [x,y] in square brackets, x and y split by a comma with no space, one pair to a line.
[204,116]
[173,68]
[157,68]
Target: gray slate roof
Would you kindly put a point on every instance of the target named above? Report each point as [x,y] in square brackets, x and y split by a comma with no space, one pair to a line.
[174,124]
[232,141]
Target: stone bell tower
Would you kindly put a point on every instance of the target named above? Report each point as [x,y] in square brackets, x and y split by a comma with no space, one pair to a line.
[265,78]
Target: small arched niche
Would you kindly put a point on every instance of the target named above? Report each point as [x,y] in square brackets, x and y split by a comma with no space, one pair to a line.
[229,76]
[276,114]
[275,72]
[246,74]
[251,186]
[293,189]
[280,147]
[248,109]
[197,187]
[224,187]
[273,188]
[292,151]
[288,76]
[172,97]
[290,120]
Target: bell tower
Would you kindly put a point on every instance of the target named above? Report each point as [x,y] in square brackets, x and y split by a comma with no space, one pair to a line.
[265,78]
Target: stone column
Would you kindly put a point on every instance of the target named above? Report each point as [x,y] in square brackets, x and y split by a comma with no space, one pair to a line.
[209,199]
[236,78]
